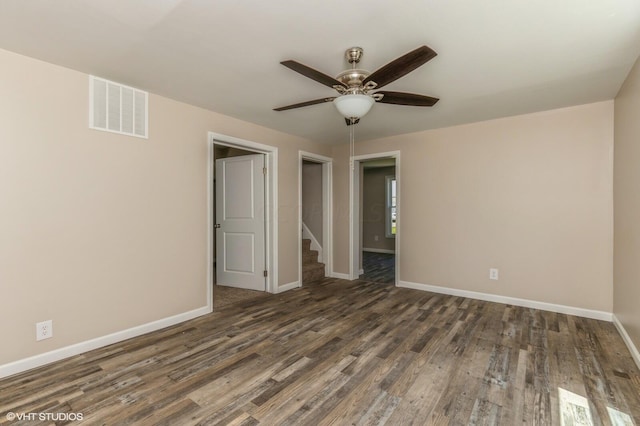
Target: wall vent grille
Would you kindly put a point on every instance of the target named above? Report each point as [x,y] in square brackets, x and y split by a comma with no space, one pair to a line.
[118,108]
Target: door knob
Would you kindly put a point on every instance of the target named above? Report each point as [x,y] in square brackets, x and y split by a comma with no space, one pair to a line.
[217,225]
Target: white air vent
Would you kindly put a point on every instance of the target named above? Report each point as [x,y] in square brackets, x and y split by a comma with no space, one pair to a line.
[117,108]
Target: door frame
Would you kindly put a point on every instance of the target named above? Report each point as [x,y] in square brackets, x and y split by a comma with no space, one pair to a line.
[271,201]
[327,210]
[355,249]
[247,226]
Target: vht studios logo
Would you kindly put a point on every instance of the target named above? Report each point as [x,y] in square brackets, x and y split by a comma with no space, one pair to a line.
[53,417]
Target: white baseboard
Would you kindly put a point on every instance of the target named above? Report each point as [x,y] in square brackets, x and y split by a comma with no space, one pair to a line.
[339,275]
[377,250]
[82,347]
[562,309]
[635,354]
[286,287]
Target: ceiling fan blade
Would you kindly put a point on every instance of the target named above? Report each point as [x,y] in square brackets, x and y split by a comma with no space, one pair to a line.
[304,104]
[312,74]
[400,98]
[401,66]
[350,122]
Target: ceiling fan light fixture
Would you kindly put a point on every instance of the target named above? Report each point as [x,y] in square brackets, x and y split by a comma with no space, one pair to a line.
[353,105]
[355,86]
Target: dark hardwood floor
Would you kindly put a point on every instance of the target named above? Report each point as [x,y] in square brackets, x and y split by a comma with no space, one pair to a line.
[379,267]
[342,353]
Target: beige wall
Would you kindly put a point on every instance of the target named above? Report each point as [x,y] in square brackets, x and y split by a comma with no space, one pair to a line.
[374,209]
[530,195]
[626,278]
[340,155]
[312,198]
[101,232]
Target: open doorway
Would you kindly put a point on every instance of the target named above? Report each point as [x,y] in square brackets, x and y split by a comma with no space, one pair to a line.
[315,258]
[248,254]
[239,217]
[378,212]
[239,230]
[371,258]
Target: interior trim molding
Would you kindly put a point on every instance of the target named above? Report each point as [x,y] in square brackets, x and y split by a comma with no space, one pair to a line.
[78,348]
[271,203]
[286,287]
[525,303]
[635,354]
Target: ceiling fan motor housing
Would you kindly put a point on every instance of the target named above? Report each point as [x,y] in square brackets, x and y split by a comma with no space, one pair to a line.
[353,78]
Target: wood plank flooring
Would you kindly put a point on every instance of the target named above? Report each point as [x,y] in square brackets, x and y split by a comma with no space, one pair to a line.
[342,353]
[224,296]
[379,267]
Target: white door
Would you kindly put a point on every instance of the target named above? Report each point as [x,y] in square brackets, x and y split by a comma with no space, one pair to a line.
[240,222]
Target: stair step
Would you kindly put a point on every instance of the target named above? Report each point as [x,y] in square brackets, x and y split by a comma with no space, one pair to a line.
[312,272]
[313,266]
[310,256]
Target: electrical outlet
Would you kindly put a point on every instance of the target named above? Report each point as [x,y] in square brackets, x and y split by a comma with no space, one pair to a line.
[375,238]
[493,273]
[44,330]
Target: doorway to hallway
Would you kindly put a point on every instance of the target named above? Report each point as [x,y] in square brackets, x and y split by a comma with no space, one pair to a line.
[378,219]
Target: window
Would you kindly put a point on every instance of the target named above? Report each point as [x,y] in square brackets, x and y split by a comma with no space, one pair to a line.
[391,209]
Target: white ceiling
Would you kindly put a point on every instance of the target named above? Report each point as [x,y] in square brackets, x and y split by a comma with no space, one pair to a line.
[495,57]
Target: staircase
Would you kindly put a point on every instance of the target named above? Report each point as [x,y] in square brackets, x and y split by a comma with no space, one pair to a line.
[312,270]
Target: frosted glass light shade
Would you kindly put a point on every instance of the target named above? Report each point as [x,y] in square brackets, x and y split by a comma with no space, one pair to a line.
[353,106]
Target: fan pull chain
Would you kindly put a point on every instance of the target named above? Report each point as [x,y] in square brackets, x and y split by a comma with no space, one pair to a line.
[352,148]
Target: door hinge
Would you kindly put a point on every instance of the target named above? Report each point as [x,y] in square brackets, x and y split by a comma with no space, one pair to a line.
[265,272]
[264,170]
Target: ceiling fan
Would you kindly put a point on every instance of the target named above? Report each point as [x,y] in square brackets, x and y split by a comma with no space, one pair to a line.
[356,86]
